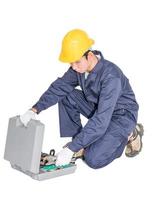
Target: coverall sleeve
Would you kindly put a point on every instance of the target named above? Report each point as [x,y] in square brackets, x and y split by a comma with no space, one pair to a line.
[99,122]
[57,90]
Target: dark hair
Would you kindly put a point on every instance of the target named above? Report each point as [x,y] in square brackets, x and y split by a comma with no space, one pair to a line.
[95,52]
[86,53]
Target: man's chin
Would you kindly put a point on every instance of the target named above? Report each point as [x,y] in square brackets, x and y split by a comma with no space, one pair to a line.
[81,72]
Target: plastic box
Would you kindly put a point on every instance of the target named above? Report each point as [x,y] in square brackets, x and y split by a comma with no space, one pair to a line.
[23,149]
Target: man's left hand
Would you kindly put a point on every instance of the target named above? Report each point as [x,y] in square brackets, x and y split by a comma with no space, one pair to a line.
[64,156]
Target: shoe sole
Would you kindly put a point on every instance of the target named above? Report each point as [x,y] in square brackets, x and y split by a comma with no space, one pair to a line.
[140,133]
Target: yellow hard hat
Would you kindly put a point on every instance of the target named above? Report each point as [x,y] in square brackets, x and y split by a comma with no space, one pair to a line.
[75,43]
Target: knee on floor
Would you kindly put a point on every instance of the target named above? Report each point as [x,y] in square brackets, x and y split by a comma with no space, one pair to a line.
[95,164]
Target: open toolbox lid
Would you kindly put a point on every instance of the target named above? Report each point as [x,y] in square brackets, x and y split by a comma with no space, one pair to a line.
[24,144]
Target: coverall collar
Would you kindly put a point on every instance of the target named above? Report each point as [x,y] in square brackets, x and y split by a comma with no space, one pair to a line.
[93,74]
[98,65]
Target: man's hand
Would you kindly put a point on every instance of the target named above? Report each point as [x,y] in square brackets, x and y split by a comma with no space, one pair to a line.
[27,116]
[64,156]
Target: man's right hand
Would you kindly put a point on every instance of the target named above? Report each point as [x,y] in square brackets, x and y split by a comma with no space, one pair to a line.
[27,116]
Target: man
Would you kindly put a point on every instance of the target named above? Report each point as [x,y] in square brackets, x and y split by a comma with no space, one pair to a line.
[106,99]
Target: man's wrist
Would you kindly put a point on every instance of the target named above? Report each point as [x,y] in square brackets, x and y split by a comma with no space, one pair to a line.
[34,110]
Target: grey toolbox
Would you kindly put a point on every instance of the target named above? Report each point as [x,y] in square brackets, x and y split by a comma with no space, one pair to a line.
[23,149]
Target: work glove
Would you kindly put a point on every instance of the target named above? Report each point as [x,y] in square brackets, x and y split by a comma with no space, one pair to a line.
[27,116]
[64,156]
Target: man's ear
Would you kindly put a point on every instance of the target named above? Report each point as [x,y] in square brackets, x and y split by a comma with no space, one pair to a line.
[90,56]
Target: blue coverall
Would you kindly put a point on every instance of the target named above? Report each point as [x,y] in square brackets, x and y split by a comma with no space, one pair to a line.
[106,99]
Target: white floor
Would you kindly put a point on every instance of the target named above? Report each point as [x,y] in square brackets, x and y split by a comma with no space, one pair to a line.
[30,41]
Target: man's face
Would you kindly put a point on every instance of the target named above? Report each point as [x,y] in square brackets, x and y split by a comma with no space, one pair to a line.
[81,65]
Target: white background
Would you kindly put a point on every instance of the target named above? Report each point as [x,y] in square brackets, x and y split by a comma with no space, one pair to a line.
[30,40]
